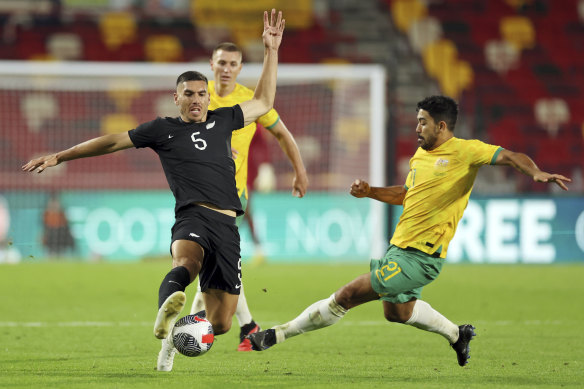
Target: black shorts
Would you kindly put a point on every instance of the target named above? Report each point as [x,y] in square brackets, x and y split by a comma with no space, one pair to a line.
[219,237]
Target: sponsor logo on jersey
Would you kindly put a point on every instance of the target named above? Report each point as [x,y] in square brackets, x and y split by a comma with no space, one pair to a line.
[210,125]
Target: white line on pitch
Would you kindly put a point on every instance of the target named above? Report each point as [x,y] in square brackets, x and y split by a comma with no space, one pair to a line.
[365,323]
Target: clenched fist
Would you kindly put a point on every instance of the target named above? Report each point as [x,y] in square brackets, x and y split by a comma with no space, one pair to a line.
[360,188]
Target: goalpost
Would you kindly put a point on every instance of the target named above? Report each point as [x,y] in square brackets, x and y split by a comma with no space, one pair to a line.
[337,114]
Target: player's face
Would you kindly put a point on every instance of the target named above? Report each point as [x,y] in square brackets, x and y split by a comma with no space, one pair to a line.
[427,130]
[226,66]
[192,99]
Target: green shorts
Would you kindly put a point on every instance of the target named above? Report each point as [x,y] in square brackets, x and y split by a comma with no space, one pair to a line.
[243,200]
[400,276]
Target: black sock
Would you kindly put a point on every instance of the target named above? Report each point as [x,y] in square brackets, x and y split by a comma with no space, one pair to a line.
[176,279]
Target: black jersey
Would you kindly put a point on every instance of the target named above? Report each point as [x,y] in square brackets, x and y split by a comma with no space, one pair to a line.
[196,157]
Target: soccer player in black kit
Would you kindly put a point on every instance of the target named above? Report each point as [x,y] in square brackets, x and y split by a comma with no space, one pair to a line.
[195,152]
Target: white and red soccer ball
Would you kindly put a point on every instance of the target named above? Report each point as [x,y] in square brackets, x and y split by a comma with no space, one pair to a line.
[193,335]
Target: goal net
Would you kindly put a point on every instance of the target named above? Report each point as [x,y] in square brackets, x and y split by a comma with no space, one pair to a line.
[335,112]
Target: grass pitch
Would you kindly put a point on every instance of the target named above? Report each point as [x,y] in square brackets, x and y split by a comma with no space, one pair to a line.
[90,325]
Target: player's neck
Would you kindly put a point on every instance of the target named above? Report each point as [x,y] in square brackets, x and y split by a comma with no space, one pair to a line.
[186,120]
[442,140]
[224,90]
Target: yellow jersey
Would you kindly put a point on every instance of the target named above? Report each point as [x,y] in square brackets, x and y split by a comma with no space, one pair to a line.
[438,187]
[241,139]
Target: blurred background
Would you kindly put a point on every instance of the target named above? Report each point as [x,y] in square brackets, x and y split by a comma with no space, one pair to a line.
[352,72]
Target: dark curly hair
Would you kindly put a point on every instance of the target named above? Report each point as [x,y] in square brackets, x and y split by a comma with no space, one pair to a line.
[440,108]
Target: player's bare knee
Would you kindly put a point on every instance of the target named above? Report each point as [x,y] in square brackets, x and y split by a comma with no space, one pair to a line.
[345,297]
[221,326]
[193,266]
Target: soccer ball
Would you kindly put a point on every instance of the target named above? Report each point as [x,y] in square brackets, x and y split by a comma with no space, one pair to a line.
[193,335]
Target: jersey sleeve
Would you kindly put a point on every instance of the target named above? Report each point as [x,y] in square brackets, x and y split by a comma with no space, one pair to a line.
[479,153]
[270,119]
[145,134]
[233,114]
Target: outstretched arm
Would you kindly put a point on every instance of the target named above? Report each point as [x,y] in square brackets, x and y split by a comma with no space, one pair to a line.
[97,146]
[526,166]
[289,146]
[391,194]
[265,92]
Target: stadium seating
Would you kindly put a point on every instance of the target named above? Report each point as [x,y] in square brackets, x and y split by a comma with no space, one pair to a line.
[516,66]
[117,28]
[163,48]
[65,46]
[528,78]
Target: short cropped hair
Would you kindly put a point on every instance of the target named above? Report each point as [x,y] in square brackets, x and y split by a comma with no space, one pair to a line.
[227,46]
[191,75]
[440,108]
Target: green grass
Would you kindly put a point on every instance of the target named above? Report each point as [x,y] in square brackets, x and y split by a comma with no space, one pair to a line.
[90,325]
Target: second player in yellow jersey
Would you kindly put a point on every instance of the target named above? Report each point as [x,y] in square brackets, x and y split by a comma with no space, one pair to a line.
[241,139]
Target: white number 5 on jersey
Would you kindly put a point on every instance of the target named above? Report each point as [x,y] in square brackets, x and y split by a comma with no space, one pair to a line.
[199,143]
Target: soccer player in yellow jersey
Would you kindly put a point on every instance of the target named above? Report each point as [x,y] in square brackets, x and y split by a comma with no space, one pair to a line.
[441,177]
[226,64]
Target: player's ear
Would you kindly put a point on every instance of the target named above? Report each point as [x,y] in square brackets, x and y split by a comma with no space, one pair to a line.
[442,125]
[175,98]
[211,63]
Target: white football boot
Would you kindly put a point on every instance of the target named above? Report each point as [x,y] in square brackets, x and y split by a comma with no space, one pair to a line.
[166,354]
[168,313]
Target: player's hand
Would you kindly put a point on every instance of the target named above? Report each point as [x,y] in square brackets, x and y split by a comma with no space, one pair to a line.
[234,153]
[273,30]
[299,185]
[555,178]
[360,188]
[41,163]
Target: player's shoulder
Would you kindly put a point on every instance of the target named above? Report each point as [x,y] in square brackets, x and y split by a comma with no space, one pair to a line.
[220,111]
[160,122]
[468,141]
[224,112]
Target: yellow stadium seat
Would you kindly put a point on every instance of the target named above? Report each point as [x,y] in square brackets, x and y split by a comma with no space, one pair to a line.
[438,55]
[163,48]
[406,12]
[117,28]
[455,78]
[243,35]
[239,13]
[116,123]
[518,31]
